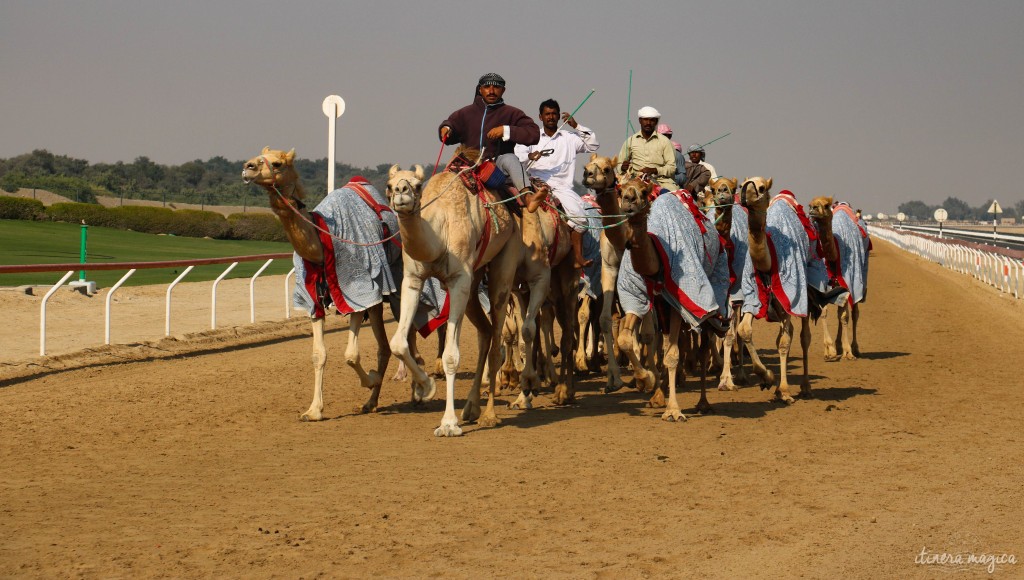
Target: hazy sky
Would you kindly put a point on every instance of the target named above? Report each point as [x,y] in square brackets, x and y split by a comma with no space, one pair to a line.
[875,102]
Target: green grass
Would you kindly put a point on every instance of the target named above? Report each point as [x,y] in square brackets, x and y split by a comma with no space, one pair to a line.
[29,242]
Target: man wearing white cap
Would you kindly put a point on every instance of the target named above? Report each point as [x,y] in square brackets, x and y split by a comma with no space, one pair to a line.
[649,152]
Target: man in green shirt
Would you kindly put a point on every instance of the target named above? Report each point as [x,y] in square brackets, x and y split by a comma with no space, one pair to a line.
[649,152]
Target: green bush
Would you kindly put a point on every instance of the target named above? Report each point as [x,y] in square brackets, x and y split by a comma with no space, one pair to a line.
[21,208]
[262,227]
[90,213]
[195,223]
[145,219]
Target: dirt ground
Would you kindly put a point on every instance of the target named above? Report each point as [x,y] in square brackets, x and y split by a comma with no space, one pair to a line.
[185,458]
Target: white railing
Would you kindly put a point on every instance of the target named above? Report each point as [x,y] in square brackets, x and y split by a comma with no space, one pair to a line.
[998,270]
[131,269]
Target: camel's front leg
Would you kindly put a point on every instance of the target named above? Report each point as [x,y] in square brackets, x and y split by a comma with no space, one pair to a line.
[609,275]
[784,341]
[476,315]
[459,287]
[672,410]
[745,331]
[846,329]
[422,385]
[854,347]
[316,408]
[508,373]
[565,391]
[629,344]
[725,382]
[827,342]
[383,358]
[805,347]
[501,275]
[706,344]
[530,329]
[582,323]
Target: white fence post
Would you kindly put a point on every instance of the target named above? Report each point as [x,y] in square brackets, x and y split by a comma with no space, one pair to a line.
[213,302]
[42,312]
[106,317]
[167,323]
[288,294]
[252,291]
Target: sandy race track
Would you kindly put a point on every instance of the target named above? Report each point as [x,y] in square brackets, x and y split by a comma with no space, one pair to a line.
[187,459]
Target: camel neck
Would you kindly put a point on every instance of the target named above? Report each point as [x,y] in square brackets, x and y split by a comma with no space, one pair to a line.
[297,222]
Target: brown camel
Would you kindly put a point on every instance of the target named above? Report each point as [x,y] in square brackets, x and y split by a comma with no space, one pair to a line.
[841,246]
[722,196]
[820,211]
[547,269]
[599,176]
[756,197]
[274,170]
[455,236]
[647,260]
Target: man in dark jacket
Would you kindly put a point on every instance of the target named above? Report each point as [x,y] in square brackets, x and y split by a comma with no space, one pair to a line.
[495,128]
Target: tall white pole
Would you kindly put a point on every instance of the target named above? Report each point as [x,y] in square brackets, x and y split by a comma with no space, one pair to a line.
[333,107]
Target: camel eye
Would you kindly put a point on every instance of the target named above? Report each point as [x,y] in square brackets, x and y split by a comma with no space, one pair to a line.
[276,164]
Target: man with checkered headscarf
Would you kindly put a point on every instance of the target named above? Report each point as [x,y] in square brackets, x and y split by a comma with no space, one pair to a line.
[496,128]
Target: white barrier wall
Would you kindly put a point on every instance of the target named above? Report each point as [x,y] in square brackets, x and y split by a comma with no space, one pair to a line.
[1001,272]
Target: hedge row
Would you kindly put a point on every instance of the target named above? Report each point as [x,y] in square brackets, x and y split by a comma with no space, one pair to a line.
[153,220]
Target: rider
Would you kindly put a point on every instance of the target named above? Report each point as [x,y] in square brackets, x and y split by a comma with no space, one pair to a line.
[649,152]
[553,160]
[695,175]
[496,128]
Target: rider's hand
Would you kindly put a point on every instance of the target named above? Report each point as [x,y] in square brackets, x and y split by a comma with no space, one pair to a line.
[624,167]
[445,131]
[649,170]
[567,118]
[535,155]
[496,133]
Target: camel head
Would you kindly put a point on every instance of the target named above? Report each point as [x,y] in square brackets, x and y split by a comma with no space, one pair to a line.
[599,173]
[272,169]
[723,190]
[634,199]
[820,209]
[754,193]
[404,189]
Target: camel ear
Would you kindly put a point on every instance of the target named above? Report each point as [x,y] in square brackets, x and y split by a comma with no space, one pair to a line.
[768,184]
[289,156]
[593,156]
[732,181]
[265,151]
[615,160]
[394,169]
[418,173]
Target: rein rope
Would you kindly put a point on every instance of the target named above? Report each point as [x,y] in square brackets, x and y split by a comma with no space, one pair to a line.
[292,203]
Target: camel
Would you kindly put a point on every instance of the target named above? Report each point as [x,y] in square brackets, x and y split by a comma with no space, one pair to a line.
[673,246]
[453,235]
[731,223]
[843,245]
[322,239]
[787,270]
[599,176]
[546,267]
[587,354]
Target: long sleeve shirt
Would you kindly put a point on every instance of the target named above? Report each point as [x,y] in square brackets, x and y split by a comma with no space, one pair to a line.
[470,124]
[656,152]
[559,168]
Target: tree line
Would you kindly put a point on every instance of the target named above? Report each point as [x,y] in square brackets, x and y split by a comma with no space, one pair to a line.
[215,181]
[960,210]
